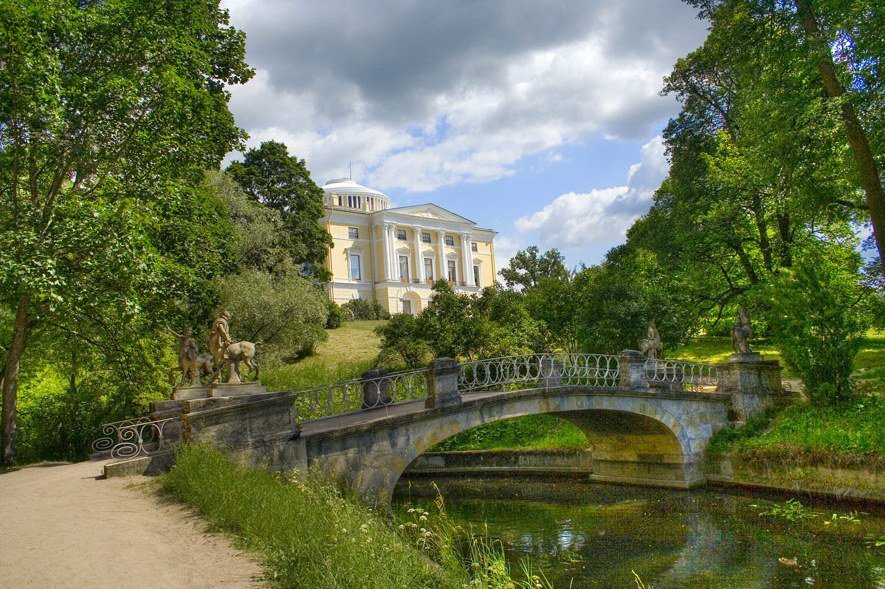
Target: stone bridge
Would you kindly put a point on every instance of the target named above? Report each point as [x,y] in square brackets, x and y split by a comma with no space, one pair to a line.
[646,421]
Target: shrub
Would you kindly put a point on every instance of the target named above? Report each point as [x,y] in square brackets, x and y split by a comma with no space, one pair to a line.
[401,343]
[336,315]
[363,310]
[287,314]
[818,320]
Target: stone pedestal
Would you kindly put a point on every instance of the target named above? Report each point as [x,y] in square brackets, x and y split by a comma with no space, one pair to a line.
[187,393]
[442,383]
[240,389]
[550,374]
[754,384]
[631,364]
[376,389]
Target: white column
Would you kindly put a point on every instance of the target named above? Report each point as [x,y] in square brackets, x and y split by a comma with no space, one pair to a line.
[419,263]
[442,270]
[385,245]
[469,256]
[465,271]
[394,261]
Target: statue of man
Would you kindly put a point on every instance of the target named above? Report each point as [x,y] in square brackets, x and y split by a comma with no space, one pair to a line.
[741,332]
[219,339]
[187,357]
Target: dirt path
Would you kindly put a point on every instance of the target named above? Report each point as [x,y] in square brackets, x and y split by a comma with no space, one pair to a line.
[61,527]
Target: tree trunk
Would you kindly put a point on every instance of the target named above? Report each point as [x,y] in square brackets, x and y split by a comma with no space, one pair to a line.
[857,138]
[20,331]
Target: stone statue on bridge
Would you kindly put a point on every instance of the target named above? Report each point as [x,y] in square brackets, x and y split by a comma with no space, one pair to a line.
[188,358]
[651,346]
[228,354]
[741,332]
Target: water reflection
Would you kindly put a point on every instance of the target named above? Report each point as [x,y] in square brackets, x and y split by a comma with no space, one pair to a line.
[594,536]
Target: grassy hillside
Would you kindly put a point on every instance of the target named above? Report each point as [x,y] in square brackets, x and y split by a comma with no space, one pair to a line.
[349,351]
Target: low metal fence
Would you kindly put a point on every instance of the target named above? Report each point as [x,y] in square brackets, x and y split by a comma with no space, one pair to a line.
[145,438]
[356,395]
[515,372]
[685,376]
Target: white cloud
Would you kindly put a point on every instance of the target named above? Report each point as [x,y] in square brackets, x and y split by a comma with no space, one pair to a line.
[600,216]
[418,96]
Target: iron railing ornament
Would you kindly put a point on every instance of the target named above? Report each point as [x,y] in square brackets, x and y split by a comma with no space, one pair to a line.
[110,433]
[688,376]
[146,438]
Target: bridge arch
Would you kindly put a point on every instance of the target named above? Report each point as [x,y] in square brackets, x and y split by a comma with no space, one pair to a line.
[638,433]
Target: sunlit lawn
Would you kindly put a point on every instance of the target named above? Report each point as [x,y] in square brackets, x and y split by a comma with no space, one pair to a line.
[349,351]
[869,363]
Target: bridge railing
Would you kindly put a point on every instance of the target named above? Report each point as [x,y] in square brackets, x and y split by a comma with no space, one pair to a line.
[111,434]
[593,370]
[369,392]
[515,372]
[682,376]
[138,437]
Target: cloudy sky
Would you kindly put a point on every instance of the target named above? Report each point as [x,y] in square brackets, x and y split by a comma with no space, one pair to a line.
[540,120]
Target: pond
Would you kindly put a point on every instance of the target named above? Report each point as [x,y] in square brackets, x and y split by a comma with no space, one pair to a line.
[586,535]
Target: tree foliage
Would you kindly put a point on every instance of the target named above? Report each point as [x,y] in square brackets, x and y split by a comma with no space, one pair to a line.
[109,112]
[527,268]
[287,314]
[271,176]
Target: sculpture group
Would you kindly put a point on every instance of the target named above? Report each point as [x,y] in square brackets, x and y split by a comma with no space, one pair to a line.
[223,359]
[740,337]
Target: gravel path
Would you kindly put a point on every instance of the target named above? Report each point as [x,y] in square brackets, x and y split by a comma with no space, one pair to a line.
[61,527]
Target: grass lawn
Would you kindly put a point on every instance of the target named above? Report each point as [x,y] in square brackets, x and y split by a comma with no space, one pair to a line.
[349,351]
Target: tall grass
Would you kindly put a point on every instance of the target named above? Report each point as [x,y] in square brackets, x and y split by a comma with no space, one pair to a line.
[309,535]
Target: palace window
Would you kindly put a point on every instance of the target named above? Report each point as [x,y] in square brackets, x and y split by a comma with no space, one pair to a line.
[473,246]
[355,270]
[450,240]
[476,276]
[428,269]
[353,233]
[404,267]
[407,306]
[453,275]
[401,234]
[425,237]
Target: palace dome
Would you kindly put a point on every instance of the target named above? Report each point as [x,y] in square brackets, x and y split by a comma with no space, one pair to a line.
[345,193]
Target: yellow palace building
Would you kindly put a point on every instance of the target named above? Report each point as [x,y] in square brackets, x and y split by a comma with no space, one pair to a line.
[393,254]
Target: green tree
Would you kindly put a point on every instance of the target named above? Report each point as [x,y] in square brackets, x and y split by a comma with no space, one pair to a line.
[109,112]
[257,241]
[527,267]
[514,329]
[838,44]
[272,177]
[402,343]
[448,324]
[818,313]
[557,303]
[618,298]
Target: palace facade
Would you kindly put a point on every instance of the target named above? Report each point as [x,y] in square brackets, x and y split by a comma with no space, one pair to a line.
[393,255]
